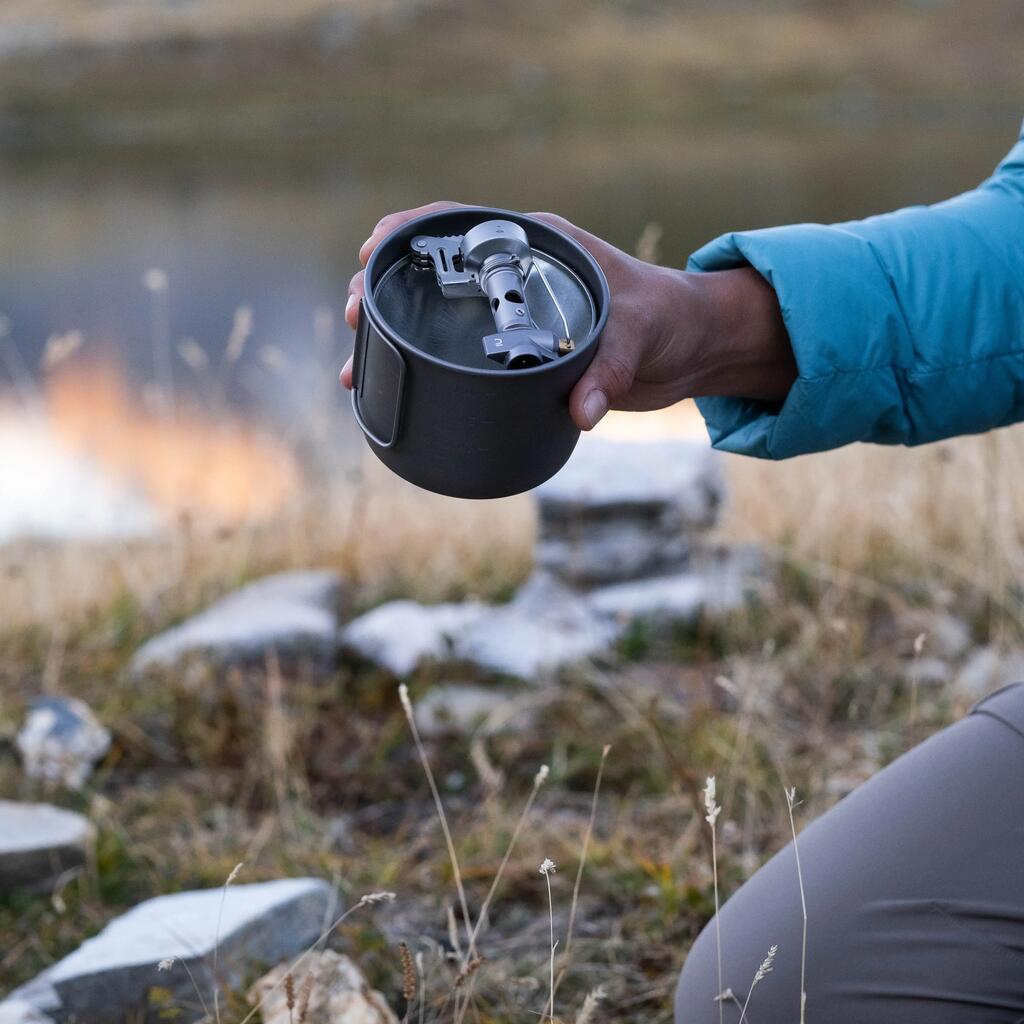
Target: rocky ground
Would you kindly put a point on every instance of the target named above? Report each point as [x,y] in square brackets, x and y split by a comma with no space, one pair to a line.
[262,739]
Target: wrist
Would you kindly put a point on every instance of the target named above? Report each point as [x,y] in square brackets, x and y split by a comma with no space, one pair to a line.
[744,348]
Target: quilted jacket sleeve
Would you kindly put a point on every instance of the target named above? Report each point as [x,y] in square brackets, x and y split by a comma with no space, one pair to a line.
[907,327]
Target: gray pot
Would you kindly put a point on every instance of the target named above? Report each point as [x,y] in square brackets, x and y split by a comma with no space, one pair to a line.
[430,391]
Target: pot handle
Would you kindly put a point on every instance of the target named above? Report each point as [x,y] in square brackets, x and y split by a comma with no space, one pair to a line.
[388,374]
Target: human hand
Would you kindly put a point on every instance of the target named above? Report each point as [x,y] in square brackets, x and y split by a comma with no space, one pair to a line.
[670,334]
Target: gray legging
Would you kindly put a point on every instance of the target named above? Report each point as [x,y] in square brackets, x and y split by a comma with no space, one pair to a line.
[915,896]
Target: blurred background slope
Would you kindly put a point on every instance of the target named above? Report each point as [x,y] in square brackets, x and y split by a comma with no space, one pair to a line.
[184,185]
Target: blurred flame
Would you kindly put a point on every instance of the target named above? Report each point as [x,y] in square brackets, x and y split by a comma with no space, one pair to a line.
[214,468]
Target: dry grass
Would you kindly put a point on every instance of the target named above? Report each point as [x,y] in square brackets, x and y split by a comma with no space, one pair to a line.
[951,510]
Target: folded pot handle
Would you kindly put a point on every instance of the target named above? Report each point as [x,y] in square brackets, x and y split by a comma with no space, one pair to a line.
[377,365]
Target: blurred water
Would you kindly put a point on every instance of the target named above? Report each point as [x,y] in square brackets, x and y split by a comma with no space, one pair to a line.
[277,229]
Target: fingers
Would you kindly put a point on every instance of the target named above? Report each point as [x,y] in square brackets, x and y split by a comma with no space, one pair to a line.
[388,224]
[597,247]
[610,376]
[357,286]
[356,290]
[607,381]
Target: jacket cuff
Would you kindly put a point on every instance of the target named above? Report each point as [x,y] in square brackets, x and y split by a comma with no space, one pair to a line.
[848,337]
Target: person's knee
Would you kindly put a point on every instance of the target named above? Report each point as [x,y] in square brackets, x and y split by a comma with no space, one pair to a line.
[763,913]
[697,988]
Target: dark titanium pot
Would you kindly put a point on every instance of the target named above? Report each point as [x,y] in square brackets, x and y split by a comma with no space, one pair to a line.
[433,408]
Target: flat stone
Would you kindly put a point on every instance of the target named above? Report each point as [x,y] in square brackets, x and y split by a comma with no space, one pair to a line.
[400,635]
[115,975]
[38,842]
[945,635]
[675,599]
[459,708]
[988,669]
[16,1011]
[338,993]
[679,597]
[931,672]
[293,614]
[61,741]
[679,483]
[610,551]
[544,628]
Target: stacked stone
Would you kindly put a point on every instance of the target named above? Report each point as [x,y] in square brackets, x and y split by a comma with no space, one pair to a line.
[624,513]
[622,538]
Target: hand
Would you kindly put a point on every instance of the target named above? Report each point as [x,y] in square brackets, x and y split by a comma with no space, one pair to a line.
[670,334]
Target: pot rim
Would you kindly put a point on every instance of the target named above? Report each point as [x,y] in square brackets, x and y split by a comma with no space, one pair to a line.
[602,300]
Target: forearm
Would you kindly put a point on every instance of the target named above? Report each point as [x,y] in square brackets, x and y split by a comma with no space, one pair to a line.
[905,328]
[745,351]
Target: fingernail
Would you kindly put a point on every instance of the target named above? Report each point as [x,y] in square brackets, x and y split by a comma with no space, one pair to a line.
[595,405]
[349,305]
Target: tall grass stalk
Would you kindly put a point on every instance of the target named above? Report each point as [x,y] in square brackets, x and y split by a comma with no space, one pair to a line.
[711,817]
[760,974]
[403,694]
[574,906]
[168,962]
[919,642]
[791,803]
[589,1009]
[547,869]
[155,281]
[538,780]
[371,899]
[216,941]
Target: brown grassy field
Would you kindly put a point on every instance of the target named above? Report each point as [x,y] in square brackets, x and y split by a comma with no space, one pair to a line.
[807,688]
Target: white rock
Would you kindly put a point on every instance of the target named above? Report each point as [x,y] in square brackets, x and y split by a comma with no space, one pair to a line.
[109,977]
[605,477]
[38,842]
[292,613]
[338,993]
[544,628]
[609,551]
[945,635]
[457,707]
[933,672]
[676,599]
[988,669]
[61,741]
[400,635]
[680,598]
[16,1011]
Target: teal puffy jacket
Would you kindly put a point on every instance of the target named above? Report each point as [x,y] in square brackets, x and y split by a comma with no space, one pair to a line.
[907,327]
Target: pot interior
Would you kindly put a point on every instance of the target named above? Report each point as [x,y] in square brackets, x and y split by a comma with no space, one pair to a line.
[411,303]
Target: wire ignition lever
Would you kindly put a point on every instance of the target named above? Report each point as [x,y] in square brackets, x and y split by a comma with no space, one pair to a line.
[493,260]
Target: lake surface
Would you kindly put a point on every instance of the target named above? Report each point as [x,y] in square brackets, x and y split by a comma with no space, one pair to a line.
[277,229]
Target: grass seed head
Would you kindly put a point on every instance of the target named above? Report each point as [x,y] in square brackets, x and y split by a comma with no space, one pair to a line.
[371,899]
[710,803]
[408,972]
[766,965]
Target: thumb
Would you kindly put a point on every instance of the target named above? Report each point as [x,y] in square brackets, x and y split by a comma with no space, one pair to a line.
[605,383]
